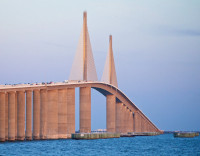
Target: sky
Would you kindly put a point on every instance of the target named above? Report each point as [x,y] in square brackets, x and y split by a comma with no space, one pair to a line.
[156,46]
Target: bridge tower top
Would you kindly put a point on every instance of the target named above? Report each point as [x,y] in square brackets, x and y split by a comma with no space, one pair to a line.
[109,74]
[83,67]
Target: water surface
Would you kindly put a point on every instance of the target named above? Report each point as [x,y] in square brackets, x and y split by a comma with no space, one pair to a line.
[146,145]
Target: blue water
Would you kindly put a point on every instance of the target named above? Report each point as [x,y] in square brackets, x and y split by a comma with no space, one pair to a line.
[147,145]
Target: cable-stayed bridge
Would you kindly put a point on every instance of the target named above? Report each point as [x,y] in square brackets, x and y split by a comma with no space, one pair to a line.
[47,111]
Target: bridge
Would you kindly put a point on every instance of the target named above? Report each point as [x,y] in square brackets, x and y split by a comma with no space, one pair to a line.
[47,111]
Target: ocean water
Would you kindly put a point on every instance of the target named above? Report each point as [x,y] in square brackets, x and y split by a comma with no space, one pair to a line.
[144,145]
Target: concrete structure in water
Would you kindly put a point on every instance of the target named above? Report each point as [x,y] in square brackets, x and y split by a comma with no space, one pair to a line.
[50,108]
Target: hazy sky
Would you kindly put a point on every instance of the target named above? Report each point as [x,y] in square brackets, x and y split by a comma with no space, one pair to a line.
[156,45]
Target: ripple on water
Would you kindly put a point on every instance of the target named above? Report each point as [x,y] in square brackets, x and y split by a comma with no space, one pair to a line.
[147,145]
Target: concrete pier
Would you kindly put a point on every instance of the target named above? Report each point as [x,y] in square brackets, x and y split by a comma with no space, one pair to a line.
[131,121]
[28,115]
[2,116]
[70,111]
[36,114]
[43,114]
[52,126]
[16,107]
[123,119]
[127,120]
[119,117]
[21,115]
[85,110]
[137,122]
[62,113]
[6,116]
[11,116]
[110,113]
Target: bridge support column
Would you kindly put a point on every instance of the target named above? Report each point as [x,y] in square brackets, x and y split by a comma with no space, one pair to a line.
[2,117]
[137,120]
[11,116]
[21,115]
[131,122]
[145,125]
[85,110]
[119,117]
[127,120]
[43,114]
[110,113]
[62,113]
[70,111]
[52,130]
[28,115]
[6,116]
[36,114]
[15,116]
[124,119]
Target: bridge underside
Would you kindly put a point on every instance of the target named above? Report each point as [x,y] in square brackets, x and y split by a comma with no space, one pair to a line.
[48,111]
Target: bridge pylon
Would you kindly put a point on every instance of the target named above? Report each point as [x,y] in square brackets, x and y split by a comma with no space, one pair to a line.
[83,67]
[109,74]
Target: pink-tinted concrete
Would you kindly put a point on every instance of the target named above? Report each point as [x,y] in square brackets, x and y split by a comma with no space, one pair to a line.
[11,116]
[62,113]
[43,113]
[21,115]
[110,113]
[2,116]
[119,117]
[85,46]
[127,120]
[70,110]
[16,116]
[52,116]
[36,114]
[131,122]
[28,115]
[6,116]
[85,110]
